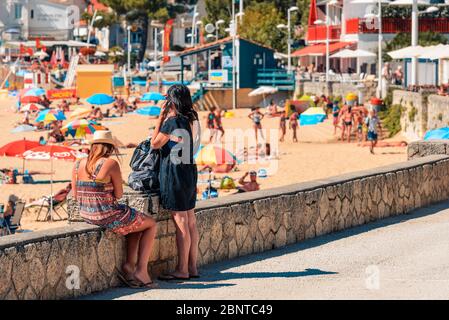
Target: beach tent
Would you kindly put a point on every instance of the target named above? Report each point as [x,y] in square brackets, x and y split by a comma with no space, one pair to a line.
[312,116]
[437,134]
[152,111]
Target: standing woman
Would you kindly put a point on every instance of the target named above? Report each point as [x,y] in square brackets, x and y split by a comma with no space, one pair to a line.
[174,136]
[97,184]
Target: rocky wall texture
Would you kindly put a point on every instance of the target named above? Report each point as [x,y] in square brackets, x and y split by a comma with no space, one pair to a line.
[421,149]
[438,112]
[34,265]
[414,113]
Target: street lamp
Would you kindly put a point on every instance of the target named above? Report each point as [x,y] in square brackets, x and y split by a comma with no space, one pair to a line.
[217,27]
[129,48]
[289,39]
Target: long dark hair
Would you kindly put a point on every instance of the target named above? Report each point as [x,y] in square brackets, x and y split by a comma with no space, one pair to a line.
[179,99]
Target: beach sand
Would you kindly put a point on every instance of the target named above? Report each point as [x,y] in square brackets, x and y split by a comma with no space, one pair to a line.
[317,155]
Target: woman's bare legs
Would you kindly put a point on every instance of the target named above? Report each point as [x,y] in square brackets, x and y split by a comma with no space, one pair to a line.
[132,250]
[183,242]
[194,241]
[148,234]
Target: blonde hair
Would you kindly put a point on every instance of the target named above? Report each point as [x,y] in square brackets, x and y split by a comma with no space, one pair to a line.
[98,151]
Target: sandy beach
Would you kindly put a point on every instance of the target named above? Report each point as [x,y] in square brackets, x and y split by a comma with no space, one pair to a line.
[317,155]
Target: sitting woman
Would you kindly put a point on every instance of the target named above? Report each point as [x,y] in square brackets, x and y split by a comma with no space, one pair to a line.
[55,135]
[9,212]
[97,184]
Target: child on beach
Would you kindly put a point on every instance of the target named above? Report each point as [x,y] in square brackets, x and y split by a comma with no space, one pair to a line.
[373,123]
[294,125]
[218,123]
[335,115]
[256,116]
[359,122]
[210,123]
[283,125]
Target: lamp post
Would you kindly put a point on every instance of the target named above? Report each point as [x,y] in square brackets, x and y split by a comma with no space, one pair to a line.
[233,28]
[129,49]
[195,15]
[199,24]
[95,18]
[217,28]
[289,28]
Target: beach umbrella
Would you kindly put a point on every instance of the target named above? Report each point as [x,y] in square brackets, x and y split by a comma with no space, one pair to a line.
[40,54]
[32,107]
[34,92]
[50,152]
[312,116]
[50,116]
[17,148]
[219,159]
[100,99]
[23,128]
[80,113]
[437,134]
[262,91]
[153,96]
[81,128]
[29,99]
[152,111]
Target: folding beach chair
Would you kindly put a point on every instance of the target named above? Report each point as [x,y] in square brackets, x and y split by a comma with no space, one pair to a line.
[46,208]
[16,218]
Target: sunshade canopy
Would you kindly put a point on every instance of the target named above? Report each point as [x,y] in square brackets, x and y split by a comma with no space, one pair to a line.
[348,53]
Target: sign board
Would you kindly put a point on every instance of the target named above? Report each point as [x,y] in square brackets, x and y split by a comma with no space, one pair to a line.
[227,61]
[61,94]
[218,76]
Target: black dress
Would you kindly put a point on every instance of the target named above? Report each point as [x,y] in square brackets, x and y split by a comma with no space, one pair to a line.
[178,173]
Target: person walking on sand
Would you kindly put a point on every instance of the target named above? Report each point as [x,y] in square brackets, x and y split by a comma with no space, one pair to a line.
[177,136]
[373,123]
[218,123]
[256,116]
[97,184]
[283,125]
[335,115]
[210,124]
[294,124]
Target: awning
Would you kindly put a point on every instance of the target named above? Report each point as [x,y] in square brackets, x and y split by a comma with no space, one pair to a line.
[347,53]
[320,49]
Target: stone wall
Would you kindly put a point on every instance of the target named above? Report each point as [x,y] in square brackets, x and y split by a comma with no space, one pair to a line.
[438,112]
[34,265]
[421,149]
[365,90]
[421,112]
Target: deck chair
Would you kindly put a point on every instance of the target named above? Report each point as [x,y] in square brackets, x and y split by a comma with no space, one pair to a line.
[45,208]
[16,218]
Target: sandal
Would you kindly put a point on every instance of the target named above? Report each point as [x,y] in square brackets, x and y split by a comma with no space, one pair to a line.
[171,277]
[123,278]
[137,284]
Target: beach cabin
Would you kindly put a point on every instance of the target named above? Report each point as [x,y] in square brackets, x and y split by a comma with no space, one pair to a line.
[211,66]
[92,79]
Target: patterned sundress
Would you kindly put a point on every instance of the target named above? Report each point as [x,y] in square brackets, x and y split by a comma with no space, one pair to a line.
[98,205]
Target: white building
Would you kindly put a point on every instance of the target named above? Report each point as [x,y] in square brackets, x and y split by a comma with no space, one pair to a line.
[45,19]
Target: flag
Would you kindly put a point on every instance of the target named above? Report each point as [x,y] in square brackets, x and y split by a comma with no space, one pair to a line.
[23,49]
[202,39]
[313,15]
[167,34]
[38,44]
[30,51]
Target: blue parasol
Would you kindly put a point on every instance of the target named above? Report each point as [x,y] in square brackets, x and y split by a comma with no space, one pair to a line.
[100,99]
[153,96]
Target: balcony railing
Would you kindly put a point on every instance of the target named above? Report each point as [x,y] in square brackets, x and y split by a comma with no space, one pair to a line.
[318,33]
[396,25]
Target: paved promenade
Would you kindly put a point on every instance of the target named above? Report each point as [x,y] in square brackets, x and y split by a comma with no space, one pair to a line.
[405,257]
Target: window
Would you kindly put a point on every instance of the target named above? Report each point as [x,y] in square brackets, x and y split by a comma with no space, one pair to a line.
[17,11]
[32,14]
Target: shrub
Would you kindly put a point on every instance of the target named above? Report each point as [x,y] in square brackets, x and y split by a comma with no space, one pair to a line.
[391,119]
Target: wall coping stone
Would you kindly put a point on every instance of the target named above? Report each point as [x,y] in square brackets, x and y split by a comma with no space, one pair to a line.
[81,227]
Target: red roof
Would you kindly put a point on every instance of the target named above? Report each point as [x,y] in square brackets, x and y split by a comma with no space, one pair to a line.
[320,49]
[96,6]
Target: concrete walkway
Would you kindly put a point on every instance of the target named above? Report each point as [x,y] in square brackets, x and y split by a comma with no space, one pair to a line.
[398,258]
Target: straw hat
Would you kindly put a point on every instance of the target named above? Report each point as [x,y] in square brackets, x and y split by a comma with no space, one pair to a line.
[103,136]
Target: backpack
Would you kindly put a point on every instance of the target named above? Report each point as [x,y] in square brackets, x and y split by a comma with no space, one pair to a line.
[145,164]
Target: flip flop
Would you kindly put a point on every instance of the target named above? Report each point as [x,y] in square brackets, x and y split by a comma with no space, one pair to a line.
[123,278]
[195,276]
[137,284]
[171,277]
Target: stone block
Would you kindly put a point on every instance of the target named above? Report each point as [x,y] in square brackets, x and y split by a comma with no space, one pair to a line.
[167,247]
[281,237]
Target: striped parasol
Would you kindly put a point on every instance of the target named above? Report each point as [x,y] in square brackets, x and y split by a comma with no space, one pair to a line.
[50,116]
[31,107]
[81,128]
[219,159]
